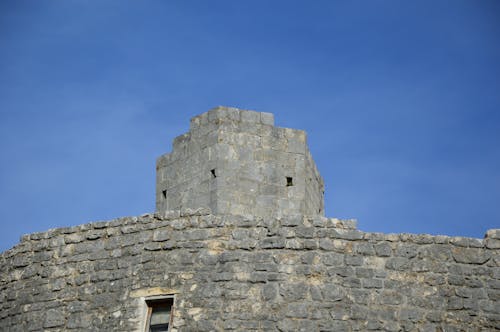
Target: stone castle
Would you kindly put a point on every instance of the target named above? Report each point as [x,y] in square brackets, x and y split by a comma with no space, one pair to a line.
[239,242]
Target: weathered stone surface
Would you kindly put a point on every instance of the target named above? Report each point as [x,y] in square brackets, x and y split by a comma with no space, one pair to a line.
[493,234]
[236,162]
[257,264]
[53,318]
[383,249]
[240,277]
[470,256]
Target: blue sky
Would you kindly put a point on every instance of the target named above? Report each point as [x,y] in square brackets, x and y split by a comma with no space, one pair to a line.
[400,99]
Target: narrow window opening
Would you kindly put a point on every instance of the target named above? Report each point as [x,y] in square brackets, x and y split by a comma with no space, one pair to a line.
[289,181]
[159,314]
[213,173]
[164,194]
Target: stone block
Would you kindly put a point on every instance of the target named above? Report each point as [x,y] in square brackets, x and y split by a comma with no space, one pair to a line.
[326,244]
[297,310]
[347,234]
[353,260]
[270,292]
[364,248]
[267,119]
[493,234]
[383,249]
[407,250]
[53,318]
[397,263]
[470,255]
[250,116]
[372,283]
[492,243]
[217,113]
[332,293]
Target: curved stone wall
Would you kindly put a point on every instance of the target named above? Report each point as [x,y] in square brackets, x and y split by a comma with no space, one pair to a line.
[243,273]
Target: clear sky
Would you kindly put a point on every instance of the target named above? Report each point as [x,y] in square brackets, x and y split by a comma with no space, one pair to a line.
[400,99]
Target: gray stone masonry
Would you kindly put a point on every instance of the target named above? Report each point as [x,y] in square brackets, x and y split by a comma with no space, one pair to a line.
[244,273]
[236,162]
[263,259]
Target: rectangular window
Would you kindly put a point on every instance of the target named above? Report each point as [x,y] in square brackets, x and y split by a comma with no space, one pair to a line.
[159,314]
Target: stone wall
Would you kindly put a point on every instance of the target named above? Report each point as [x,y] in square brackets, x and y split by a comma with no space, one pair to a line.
[243,273]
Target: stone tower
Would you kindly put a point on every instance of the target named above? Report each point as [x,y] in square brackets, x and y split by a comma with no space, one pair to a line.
[236,162]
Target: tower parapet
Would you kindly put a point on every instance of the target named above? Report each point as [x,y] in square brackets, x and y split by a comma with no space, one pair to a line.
[237,162]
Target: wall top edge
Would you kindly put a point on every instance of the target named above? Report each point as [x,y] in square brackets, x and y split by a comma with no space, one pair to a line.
[203,218]
[232,114]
